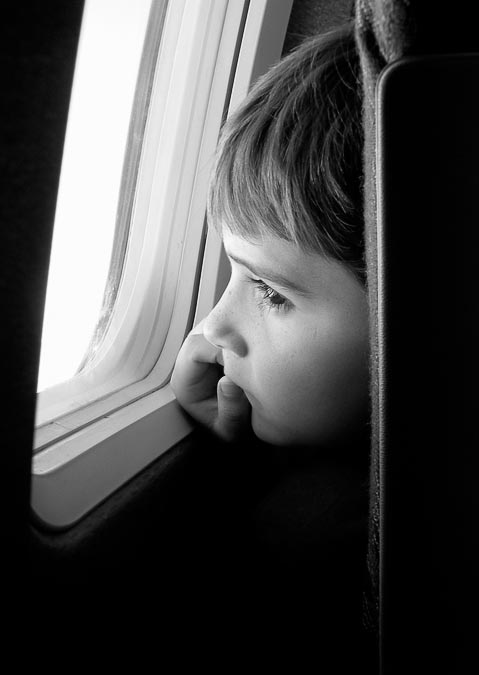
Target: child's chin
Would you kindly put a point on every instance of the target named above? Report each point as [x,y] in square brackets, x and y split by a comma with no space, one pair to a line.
[268,432]
[276,433]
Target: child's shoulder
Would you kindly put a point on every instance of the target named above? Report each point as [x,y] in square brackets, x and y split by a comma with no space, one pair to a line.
[316,513]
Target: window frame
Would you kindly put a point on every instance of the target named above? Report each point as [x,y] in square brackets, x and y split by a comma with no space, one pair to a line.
[83,456]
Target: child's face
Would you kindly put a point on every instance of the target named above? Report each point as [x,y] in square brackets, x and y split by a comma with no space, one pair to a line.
[293,329]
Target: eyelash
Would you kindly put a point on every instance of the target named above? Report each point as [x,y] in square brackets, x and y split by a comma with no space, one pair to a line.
[271,298]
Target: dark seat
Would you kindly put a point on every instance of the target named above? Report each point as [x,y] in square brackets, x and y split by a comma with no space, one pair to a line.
[424,108]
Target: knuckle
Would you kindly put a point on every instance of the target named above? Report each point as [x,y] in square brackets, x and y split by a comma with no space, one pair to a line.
[194,346]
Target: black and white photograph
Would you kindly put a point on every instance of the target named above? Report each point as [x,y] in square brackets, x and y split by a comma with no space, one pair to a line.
[239,291]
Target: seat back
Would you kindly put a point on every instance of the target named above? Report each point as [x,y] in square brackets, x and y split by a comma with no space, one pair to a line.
[428,308]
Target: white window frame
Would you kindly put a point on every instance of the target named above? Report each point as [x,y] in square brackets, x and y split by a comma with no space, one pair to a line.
[85,454]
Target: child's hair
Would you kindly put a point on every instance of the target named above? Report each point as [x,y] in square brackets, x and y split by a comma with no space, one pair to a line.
[289,161]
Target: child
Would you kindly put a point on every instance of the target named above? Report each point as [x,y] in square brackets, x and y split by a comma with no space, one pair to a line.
[283,357]
[291,329]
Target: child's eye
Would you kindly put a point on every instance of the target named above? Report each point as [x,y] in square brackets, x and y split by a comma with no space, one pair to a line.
[270,297]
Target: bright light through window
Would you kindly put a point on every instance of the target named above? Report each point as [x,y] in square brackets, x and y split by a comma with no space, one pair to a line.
[111,42]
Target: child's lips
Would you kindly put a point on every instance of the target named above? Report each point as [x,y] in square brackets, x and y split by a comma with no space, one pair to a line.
[252,400]
[233,379]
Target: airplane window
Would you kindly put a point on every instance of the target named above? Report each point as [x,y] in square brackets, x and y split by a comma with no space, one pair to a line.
[89,324]
[108,59]
[134,190]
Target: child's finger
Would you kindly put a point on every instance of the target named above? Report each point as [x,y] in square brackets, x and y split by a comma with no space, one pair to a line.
[194,360]
[233,410]
[198,329]
[203,350]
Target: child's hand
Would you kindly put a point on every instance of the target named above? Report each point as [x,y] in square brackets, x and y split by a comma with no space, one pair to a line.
[211,398]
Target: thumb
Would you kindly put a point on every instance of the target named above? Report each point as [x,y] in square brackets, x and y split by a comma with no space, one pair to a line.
[233,411]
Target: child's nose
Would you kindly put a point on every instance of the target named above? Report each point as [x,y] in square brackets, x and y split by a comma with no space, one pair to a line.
[221,328]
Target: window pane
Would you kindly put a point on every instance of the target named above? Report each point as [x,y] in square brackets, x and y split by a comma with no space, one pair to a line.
[110,49]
